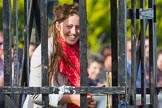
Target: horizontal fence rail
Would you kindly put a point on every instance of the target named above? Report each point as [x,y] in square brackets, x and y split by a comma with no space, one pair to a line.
[64,90]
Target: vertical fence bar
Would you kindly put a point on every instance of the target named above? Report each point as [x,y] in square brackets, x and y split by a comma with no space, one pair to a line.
[152,56]
[83,50]
[7,43]
[122,66]
[16,43]
[114,51]
[133,54]
[37,21]
[24,72]
[15,55]
[25,62]
[44,48]
[142,55]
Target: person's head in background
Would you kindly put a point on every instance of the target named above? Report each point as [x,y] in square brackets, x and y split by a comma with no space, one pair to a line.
[64,29]
[159,60]
[106,50]
[1,46]
[147,49]
[95,66]
[106,53]
[159,68]
[32,47]
[129,48]
[108,62]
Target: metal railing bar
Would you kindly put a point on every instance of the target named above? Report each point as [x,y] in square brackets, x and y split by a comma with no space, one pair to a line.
[66,90]
[133,54]
[153,59]
[83,50]
[142,54]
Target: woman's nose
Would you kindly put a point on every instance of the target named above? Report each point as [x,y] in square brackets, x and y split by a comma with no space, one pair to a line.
[73,30]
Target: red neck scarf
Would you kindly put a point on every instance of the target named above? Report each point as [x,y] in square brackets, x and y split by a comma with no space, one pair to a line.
[73,74]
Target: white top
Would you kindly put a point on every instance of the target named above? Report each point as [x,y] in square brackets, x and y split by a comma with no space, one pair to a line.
[34,101]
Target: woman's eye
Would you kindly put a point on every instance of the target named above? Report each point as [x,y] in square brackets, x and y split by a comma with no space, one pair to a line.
[77,27]
[68,26]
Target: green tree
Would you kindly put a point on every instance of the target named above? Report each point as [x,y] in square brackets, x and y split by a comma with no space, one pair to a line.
[98,15]
[20,17]
[159,22]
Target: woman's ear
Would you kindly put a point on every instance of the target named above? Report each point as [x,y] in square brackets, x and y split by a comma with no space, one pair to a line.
[57,26]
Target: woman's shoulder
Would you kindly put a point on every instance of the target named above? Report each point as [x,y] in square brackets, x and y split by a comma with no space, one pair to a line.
[50,45]
[36,57]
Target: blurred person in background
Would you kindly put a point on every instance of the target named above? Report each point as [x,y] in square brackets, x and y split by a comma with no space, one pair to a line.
[95,67]
[147,61]
[32,47]
[106,54]
[106,50]
[1,59]
[159,68]
[1,70]
[108,62]
[138,80]
[147,51]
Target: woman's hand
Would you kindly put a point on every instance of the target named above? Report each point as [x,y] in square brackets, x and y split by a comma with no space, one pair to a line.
[75,99]
[70,98]
[91,102]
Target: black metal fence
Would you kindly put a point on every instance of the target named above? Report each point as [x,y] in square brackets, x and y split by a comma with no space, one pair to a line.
[36,11]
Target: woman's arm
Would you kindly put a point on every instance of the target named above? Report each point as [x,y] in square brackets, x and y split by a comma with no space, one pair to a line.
[36,78]
[75,99]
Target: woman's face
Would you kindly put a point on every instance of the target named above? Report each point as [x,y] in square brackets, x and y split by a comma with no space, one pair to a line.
[159,62]
[69,29]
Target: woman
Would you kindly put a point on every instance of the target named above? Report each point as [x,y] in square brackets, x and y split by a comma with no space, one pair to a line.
[64,63]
